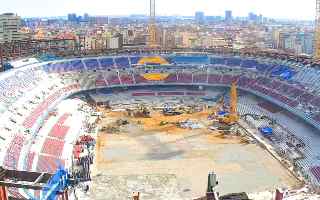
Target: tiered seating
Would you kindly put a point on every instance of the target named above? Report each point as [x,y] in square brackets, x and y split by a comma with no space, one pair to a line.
[316,118]
[275,84]
[295,92]
[315,170]
[316,102]
[53,147]
[59,130]
[227,79]
[245,82]
[263,67]
[113,79]
[199,78]
[190,59]
[91,64]
[264,81]
[249,63]
[13,87]
[36,113]
[126,79]
[195,93]
[217,60]
[30,159]
[122,62]
[214,78]
[49,163]
[233,62]
[140,79]
[172,78]
[61,67]
[76,65]
[134,60]
[306,97]
[184,78]
[142,94]
[100,81]
[170,93]
[12,156]
[106,63]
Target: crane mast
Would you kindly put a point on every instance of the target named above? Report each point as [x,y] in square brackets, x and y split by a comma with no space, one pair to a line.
[152,28]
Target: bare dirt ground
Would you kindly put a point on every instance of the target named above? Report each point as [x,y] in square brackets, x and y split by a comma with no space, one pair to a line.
[166,162]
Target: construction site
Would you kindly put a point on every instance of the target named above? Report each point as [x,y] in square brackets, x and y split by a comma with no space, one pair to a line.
[164,148]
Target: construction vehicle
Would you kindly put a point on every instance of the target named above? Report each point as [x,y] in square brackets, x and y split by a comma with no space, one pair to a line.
[218,111]
[217,108]
[140,111]
[170,111]
[233,116]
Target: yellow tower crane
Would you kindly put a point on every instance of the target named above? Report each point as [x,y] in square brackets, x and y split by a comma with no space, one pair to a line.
[152,28]
[233,116]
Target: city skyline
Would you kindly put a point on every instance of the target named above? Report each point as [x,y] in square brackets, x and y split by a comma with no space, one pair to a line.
[284,9]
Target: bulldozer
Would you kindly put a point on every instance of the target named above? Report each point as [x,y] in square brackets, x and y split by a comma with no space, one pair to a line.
[140,111]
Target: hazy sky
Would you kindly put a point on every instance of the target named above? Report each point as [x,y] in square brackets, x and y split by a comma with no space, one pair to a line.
[295,9]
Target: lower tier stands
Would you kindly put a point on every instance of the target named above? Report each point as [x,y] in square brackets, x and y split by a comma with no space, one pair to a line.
[113,79]
[140,79]
[126,79]
[172,78]
[200,78]
[316,172]
[59,130]
[53,147]
[184,78]
[49,163]
[142,94]
[12,155]
[40,109]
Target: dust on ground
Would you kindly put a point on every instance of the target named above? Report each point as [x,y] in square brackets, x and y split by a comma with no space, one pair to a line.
[144,148]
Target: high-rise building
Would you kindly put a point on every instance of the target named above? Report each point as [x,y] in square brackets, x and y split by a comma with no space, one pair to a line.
[199,17]
[86,17]
[228,15]
[252,17]
[72,17]
[10,25]
[116,42]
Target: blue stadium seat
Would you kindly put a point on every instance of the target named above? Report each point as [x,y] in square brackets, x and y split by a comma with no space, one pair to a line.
[106,63]
[249,63]
[76,65]
[217,61]
[190,59]
[122,62]
[134,60]
[233,61]
[91,64]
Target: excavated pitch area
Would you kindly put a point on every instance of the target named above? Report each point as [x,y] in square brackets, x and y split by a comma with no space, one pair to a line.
[172,163]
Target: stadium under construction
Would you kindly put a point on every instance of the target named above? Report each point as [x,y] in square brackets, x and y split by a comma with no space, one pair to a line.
[160,125]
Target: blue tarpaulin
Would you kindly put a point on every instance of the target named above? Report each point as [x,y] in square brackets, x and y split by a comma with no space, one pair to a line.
[222,113]
[266,131]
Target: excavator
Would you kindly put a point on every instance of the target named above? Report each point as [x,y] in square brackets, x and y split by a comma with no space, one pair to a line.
[232,117]
[140,111]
